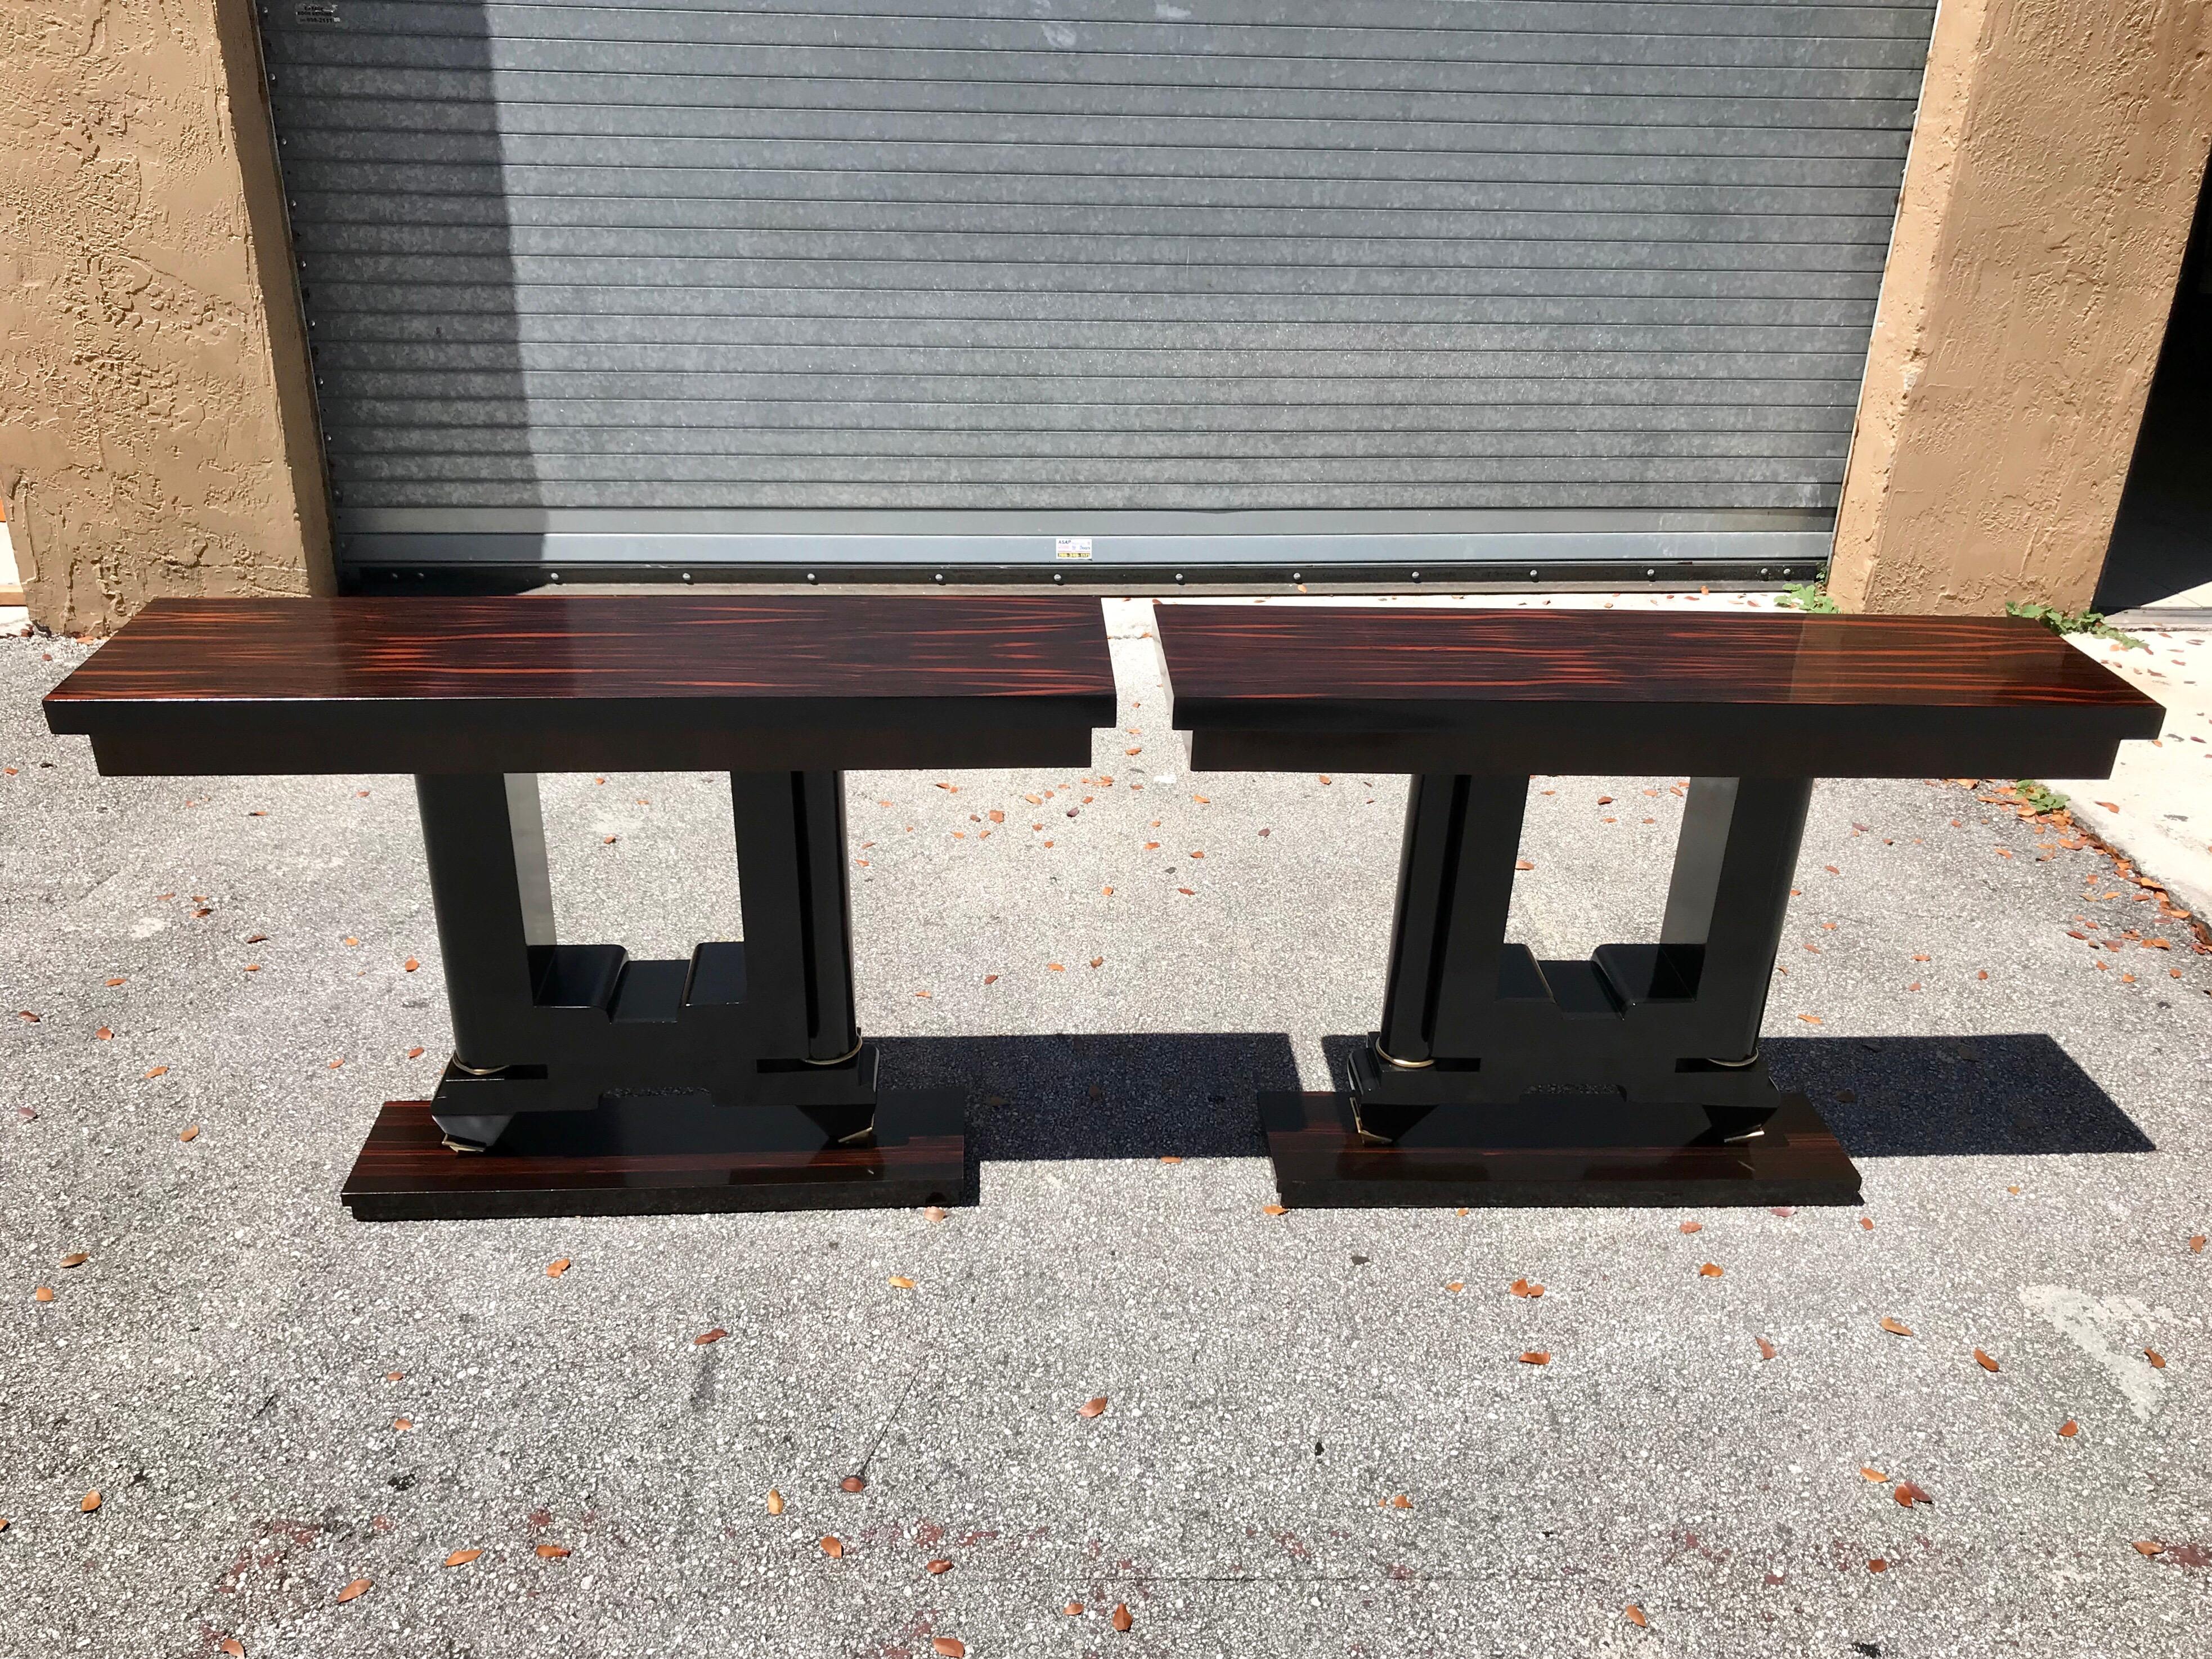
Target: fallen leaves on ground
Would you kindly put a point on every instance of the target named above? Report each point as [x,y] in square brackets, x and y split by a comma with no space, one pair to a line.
[2068,1428]
[2196,1244]
[1634,1614]
[76,1258]
[44,1293]
[1122,1618]
[1811,1019]
[1895,1327]
[1877,1565]
[935,1212]
[834,1548]
[1909,1493]
[1274,1209]
[901,1282]
[1866,1223]
[89,1502]
[1537,1356]
[1984,1361]
[402,1425]
[2157,1359]
[1456,1287]
[1093,1408]
[410,965]
[1073,1609]
[2149,1547]
[1401,1502]
[705,1337]
[1766,1350]
[553,1552]
[190,1132]
[948,1647]
[1522,1288]
[462,1558]
[939,1565]
[555,1269]
[1872,1473]
[1171,1157]
[1693,1227]
[853,1483]
[103,1034]
[158,1071]
[233,1646]
[416,1053]
[1711,1270]
[356,1590]
[774,1501]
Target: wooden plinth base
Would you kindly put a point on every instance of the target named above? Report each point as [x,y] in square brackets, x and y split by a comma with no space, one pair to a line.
[662,1157]
[1598,1153]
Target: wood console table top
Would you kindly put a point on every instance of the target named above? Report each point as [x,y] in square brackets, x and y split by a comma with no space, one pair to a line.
[1298,688]
[545,683]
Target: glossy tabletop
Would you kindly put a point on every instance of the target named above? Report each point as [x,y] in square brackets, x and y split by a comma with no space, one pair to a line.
[574,681]
[1379,688]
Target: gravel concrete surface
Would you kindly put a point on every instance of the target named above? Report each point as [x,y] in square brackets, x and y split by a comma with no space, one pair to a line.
[275,1403]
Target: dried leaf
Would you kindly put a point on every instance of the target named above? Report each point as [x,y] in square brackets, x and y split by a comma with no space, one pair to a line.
[1523,864]
[356,1590]
[1877,1565]
[2068,1428]
[1097,962]
[2196,1244]
[705,1337]
[935,1212]
[76,1258]
[44,1293]
[990,979]
[555,1269]
[462,1558]
[409,966]
[190,1132]
[1522,1288]
[853,1483]
[948,1647]
[1710,1270]
[2149,1547]
[1095,1407]
[553,1552]
[1909,1493]
[233,1646]
[112,983]
[1693,1227]
[103,1034]
[939,1565]
[774,1501]
[1456,1287]
[1766,1350]
[90,1502]
[1274,1209]
[1053,967]
[158,1071]
[2157,1359]
[1634,1614]
[1171,1157]
[416,1053]
[1536,1357]
[1073,1609]
[1866,1223]
[833,1548]
[1401,1502]
[1895,1327]
[901,1282]
[401,1425]
[1122,1620]
[1188,892]
[1811,1019]
[1984,1361]
[255,939]
[1872,1473]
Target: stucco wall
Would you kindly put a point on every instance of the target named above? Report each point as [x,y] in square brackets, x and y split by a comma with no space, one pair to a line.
[144,448]
[2046,205]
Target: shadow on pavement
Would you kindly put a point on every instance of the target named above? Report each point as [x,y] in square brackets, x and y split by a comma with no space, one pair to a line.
[2019,1093]
[1117,1095]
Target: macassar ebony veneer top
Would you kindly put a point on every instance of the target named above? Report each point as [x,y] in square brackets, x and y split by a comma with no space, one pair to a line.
[1294,687]
[571,682]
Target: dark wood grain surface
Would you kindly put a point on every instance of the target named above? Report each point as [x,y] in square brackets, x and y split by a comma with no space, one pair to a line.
[569,682]
[656,1156]
[1381,689]
[1562,1157]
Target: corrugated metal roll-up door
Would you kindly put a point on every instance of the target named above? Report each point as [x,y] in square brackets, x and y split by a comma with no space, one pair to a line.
[986,282]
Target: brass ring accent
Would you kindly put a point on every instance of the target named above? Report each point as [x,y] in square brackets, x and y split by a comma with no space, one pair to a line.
[1390,1059]
[460,1064]
[858,1044]
[1749,1060]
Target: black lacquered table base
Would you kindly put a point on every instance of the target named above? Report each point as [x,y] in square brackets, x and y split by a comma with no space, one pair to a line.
[661,1156]
[1587,1152]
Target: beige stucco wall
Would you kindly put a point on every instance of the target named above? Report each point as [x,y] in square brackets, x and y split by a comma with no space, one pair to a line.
[147,325]
[2054,171]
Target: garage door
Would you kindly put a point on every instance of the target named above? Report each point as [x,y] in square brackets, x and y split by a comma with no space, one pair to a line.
[974,283]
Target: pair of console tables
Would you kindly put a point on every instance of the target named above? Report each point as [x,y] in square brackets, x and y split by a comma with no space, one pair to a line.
[583,1082]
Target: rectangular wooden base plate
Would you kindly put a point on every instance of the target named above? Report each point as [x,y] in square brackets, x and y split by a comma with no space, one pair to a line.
[661,1156]
[1601,1153]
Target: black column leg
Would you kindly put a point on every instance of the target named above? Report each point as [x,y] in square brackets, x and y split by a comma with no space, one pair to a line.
[1455,887]
[1728,901]
[484,837]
